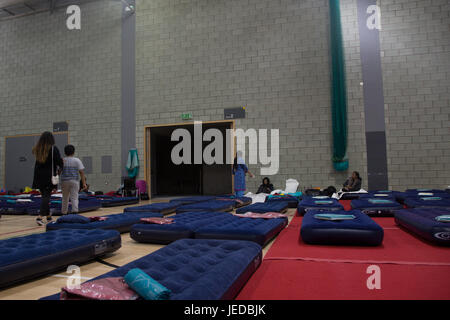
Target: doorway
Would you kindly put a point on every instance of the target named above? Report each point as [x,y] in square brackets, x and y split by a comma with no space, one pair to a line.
[165,178]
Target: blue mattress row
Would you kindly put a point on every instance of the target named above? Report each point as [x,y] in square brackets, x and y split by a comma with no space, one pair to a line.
[318,203]
[210,205]
[163,208]
[211,225]
[15,207]
[361,230]
[109,201]
[120,222]
[24,258]
[194,269]
[376,206]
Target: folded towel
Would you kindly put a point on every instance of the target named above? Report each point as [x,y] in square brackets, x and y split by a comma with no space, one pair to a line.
[334,217]
[157,220]
[101,289]
[147,287]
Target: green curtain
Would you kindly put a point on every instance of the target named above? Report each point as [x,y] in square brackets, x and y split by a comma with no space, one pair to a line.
[338,89]
[132,165]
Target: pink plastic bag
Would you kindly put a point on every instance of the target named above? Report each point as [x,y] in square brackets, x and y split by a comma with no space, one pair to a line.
[98,219]
[102,289]
[267,215]
[157,220]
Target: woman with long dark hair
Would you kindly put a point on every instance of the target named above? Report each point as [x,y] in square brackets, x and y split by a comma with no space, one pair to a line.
[46,153]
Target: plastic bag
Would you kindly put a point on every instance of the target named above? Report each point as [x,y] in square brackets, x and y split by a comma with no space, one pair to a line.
[101,289]
[291,186]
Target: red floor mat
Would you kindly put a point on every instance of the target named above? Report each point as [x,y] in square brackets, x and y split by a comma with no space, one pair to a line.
[410,268]
[398,247]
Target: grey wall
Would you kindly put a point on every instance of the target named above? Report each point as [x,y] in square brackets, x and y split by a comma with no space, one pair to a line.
[49,74]
[415,46]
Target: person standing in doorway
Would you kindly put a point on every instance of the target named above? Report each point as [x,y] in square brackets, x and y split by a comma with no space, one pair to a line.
[48,164]
[69,180]
[239,171]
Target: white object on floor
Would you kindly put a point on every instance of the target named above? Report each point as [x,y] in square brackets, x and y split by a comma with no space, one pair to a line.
[277,191]
[340,193]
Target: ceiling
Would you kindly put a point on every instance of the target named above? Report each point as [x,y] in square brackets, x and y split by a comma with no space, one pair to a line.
[10,9]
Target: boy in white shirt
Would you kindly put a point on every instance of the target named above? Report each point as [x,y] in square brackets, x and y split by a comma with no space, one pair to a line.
[70,184]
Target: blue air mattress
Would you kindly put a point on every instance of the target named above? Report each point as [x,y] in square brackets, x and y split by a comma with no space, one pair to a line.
[183,227]
[27,257]
[376,207]
[116,201]
[211,205]
[318,203]
[402,196]
[120,222]
[189,200]
[382,194]
[274,206]
[15,207]
[290,199]
[423,223]
[360,231]
[163,208]
[229,227]
[428,202]
[194,269]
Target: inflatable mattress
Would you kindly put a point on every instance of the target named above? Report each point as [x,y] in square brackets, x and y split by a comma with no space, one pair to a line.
[189,200]
[376,207]
[121,222]
[425,223]
[211,205]
[428,202]
[197,269]
[291,199]
[10,206]
[274,206]
[183,226]
[162,207]
[24,258]
[236,201]
[55,207]
[318,203]
[359,231]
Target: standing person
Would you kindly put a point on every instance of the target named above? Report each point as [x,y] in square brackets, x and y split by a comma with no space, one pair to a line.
[353,183]
[266,186]
[46,154]
[239,171]
[69,179]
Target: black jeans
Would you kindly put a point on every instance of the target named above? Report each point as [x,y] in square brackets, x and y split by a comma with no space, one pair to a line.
[45,201]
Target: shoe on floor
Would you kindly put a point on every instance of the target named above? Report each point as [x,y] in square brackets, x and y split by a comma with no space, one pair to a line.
[39,222]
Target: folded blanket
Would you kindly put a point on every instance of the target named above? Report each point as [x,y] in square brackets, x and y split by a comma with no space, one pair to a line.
[101,289]
[98,218]
[157,220]
[147,287]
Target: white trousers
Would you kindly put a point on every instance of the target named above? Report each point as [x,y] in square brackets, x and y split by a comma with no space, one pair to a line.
[70,189]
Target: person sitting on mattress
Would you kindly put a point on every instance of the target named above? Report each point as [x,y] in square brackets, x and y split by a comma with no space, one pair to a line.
[239,171]
[353,183]
[266,186]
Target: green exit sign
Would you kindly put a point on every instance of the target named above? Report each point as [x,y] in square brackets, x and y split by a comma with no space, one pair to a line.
[186,116]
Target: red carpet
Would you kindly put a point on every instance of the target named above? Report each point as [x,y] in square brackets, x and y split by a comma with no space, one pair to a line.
[410,268]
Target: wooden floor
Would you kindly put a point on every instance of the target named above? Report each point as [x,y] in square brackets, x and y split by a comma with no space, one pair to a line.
[15,226]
